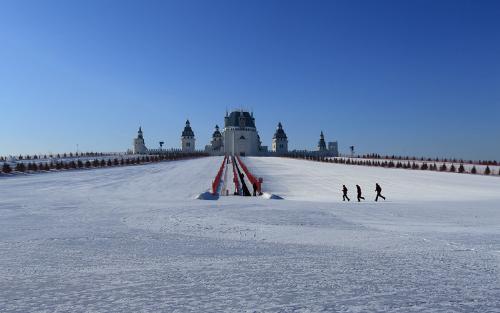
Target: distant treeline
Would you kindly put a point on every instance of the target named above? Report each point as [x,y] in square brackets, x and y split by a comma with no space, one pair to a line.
[97,162]
[440,166]
[56,156]
[424,159]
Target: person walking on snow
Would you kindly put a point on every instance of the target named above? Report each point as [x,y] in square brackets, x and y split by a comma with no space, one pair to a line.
[344,191]
[378,189]
[359,193]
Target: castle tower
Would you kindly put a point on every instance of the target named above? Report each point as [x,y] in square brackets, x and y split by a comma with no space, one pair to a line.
[187,138]
[280,141]
[139,145]
[321,143]
[217,142]
[240,134]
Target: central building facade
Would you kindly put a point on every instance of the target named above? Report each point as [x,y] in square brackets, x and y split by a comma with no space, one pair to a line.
[240,136]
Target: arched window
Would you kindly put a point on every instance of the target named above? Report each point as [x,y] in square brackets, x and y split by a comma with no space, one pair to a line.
[242,137]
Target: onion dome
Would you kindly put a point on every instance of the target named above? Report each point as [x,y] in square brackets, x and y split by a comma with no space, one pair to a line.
[280,133]
[216,132]
[187,132]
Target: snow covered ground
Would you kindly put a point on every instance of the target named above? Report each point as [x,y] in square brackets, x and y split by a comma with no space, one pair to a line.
[134,239]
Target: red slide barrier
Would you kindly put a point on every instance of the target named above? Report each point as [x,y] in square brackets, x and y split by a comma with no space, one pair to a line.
[216,182]
[250,177]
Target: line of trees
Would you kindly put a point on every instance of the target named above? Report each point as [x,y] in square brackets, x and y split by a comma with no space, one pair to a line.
[34,167]
[398,164]
[424,159]
[57,156]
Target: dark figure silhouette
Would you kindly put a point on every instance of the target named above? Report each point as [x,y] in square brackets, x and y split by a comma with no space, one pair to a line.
[378,189]
[246,192]
[359,193]
[344,191]
[254,185]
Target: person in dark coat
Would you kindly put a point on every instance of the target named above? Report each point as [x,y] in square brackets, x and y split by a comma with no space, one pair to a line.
[378,189]
[244,187]
[359,193]
[344,191]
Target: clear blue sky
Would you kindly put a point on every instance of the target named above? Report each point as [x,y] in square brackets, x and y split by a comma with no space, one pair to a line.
[397,77]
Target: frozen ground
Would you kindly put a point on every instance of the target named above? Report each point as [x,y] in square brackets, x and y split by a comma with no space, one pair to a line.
[133,239]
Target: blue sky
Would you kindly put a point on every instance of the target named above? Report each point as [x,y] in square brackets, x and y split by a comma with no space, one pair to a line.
[392,77]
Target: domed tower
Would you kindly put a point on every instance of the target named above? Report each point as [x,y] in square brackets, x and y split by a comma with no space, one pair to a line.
[187,138]
[240,134]
[321,143]
[139,145]
[280,141]
[217,142]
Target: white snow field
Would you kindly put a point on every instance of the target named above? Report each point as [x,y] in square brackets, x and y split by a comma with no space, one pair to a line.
[135,239]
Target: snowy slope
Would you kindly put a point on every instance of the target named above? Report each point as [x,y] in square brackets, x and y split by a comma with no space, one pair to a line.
[134,239]
[314,181]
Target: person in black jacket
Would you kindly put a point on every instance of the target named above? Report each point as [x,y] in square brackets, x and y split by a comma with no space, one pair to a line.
[244,187]
[359,193]
[378,189]
[344,191]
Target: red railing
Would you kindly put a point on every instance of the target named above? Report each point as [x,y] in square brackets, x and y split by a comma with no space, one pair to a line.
[251,178]
[216,182]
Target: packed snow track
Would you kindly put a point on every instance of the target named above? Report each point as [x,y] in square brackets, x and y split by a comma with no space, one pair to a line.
[135,239]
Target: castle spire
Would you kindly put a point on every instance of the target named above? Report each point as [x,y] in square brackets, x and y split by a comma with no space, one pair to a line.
[187,138]
[321,143]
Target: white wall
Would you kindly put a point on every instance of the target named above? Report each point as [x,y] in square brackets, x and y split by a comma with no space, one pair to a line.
[233,143]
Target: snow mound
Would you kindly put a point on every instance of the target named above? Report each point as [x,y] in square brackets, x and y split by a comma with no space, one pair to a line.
[271,196]
[207,196]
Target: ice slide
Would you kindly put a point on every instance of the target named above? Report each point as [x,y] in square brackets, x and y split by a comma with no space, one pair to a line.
[228,180]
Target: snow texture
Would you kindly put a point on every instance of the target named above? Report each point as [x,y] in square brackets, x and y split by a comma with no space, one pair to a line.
[136,239]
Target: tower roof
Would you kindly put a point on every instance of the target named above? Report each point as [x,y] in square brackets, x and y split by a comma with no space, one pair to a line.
[239,119]
[187,132]
[217,132]
[280,133]
[321,143]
